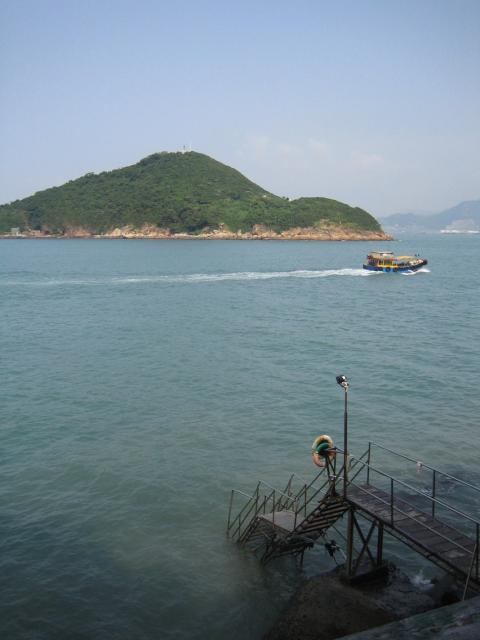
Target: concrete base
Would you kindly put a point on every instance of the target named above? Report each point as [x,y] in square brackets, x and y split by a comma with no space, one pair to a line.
[460,621]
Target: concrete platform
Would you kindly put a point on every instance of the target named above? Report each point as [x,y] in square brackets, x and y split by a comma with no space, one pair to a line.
[460,621]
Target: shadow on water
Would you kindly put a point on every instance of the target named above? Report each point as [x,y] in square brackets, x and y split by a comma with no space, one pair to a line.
[63,578]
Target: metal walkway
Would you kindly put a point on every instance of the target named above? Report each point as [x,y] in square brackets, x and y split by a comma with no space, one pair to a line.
[290,521]
[435,540]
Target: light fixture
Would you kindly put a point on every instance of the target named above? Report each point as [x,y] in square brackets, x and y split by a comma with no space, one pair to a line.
[343,382]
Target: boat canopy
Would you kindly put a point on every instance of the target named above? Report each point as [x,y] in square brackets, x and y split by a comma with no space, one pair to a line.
[387,261]
[379,255]
[388,257]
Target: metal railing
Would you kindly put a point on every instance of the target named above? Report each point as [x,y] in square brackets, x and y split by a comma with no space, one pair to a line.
[425,466]
[303,500]
[420,466]
[257,503]
[298,501]
[465,519]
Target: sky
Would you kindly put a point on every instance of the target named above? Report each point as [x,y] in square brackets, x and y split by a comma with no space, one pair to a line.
[372,102]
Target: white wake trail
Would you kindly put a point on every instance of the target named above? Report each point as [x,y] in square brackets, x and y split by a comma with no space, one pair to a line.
[194,278]
[414,273]
[246,275]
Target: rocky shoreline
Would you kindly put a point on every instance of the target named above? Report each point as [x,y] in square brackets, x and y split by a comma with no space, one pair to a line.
[328,606]
[258,233]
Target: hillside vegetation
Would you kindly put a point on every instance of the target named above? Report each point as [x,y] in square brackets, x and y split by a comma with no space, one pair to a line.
[182,192]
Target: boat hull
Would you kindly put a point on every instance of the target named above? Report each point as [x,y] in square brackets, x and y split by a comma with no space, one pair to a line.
[395,269]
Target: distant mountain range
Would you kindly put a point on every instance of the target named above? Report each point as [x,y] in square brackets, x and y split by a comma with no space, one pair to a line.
[167,194]
[463,217]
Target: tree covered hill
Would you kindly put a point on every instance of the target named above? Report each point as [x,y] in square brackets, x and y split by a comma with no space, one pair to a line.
[183,192]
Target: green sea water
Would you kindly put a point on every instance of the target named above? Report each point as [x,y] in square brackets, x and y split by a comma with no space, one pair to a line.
[142,380]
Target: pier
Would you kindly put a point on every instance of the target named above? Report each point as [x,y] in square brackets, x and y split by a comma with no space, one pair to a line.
[275,522]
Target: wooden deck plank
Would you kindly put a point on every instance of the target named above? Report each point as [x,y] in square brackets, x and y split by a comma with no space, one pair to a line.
[436,543]
[437,538]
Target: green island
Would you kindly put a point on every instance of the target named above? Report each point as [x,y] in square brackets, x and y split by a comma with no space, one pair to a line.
[180,195]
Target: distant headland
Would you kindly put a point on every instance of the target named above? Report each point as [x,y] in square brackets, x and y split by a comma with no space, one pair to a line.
[180,196]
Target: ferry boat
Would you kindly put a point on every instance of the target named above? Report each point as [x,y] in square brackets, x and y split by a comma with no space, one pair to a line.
[386,261]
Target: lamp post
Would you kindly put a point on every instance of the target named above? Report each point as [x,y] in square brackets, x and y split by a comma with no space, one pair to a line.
[343,382]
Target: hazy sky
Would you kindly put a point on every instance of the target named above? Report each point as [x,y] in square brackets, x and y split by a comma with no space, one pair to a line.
[373,102]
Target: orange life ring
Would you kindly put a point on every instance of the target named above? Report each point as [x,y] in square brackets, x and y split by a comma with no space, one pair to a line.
[318,459]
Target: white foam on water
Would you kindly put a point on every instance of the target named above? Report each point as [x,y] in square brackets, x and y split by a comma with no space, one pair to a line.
[413,273]
[420,581]
[196,278]
[245,275]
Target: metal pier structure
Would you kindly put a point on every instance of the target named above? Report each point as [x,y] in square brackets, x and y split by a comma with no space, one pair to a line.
[275,522]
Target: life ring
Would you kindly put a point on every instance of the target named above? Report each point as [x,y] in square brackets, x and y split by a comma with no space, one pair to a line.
[321,449]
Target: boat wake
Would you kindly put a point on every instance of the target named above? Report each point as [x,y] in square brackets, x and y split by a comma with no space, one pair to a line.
[413,273]
[195,278]
[246,275]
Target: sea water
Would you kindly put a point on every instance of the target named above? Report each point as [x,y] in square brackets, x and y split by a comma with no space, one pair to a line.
[142,380]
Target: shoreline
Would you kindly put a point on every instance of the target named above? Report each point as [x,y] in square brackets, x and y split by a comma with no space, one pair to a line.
[327,606]
[326,235]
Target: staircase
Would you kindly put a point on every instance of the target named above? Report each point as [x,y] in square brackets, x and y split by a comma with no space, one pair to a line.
[303,536]
[442,528]
[273,523]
